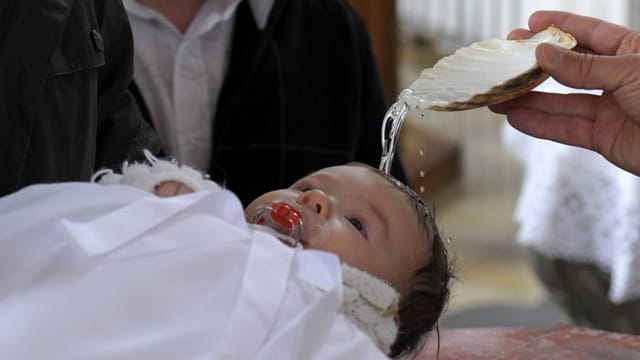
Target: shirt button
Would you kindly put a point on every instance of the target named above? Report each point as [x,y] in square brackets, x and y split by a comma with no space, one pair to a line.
[96,40]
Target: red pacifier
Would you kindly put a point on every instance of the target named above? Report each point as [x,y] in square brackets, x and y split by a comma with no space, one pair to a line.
[284,218]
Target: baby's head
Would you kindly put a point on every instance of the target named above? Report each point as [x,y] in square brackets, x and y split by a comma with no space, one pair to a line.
[377,224]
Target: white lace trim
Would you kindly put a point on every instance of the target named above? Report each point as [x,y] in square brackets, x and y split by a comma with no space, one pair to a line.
[147,176]
[575,205]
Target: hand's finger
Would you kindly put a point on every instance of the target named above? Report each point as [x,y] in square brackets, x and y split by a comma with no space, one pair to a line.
[184,189]
[166,188]
[566,129]
[600,36]
[171,188]
[587,71]
[582,105]
[517,34]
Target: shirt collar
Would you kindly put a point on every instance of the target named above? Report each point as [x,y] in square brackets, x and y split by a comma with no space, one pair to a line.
[259,8]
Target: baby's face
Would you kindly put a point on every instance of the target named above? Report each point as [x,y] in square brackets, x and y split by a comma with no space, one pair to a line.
[356,214]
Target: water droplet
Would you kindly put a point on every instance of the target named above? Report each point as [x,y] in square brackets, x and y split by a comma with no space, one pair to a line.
[421,173]
[421,116]
[448,240]
[422,189]
[421,152]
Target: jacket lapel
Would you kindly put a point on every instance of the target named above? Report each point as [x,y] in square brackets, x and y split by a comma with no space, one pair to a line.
[249,47]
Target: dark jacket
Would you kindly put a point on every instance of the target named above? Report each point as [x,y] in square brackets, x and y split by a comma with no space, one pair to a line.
[64,105]
[303,94]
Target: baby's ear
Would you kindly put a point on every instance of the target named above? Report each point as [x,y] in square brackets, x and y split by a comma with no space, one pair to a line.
[171,188]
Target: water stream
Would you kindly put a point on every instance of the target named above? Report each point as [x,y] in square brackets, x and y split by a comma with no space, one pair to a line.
[391,126]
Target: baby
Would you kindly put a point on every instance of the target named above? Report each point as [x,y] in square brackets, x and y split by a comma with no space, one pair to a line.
[379,225]
[373,223]
[113,271]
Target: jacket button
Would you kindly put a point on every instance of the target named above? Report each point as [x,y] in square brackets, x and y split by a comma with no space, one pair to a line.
[96,40]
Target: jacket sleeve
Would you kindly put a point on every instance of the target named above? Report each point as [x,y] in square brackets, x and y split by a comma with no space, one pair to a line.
[122,131]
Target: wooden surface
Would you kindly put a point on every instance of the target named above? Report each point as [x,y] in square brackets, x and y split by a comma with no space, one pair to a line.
[380,17]
[556,343]
[440,164]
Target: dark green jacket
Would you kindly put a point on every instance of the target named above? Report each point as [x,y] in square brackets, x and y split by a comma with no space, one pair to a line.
[64,105]
[303,94]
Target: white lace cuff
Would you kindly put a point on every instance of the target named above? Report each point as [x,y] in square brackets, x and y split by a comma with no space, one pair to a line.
[147,176]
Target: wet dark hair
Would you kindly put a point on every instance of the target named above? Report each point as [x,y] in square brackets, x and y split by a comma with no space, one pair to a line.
[426,297]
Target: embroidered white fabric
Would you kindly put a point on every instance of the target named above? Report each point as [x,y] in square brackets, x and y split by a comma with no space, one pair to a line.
[575,205]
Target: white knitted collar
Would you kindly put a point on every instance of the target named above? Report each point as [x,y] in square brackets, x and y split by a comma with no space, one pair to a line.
[371,304]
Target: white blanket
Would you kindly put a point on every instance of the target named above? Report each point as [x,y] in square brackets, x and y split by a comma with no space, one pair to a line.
[113,272]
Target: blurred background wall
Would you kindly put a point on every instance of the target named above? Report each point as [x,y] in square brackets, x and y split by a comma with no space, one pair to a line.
[472,20]
[457,159]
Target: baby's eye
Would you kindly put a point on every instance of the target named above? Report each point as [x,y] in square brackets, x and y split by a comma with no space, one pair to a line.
[357,224]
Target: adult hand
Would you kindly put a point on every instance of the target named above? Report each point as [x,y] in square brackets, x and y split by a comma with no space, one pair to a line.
[607,59]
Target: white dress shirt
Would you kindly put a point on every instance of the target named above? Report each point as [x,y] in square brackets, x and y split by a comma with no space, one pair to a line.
[180,74]
[113,272]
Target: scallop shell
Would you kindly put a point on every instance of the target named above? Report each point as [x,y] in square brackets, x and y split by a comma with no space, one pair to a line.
[484,73]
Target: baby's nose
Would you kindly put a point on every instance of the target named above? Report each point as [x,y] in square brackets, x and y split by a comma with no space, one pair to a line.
[317,201]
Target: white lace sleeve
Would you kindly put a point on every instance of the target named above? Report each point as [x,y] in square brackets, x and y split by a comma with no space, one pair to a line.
[147,176]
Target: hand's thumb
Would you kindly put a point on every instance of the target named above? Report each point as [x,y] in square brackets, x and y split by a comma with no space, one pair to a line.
[582,71]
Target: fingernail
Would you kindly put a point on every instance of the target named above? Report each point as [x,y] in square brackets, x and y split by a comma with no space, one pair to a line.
[550,54]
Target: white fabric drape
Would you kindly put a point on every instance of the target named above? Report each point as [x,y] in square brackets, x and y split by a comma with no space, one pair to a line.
[113,272]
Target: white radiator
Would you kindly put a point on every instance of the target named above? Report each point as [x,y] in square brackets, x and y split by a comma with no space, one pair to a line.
[471,20]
